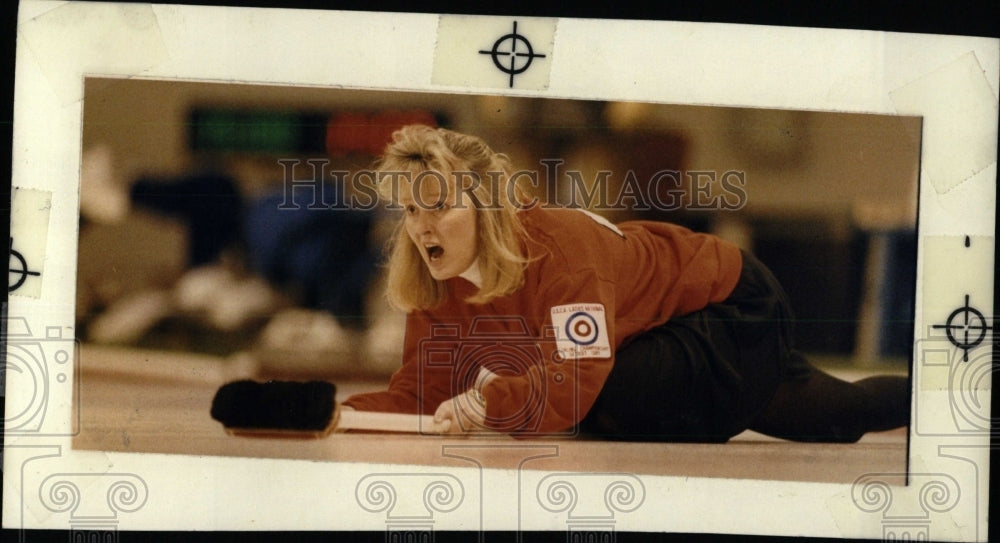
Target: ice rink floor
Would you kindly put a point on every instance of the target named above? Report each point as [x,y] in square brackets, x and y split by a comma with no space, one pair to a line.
[159,402]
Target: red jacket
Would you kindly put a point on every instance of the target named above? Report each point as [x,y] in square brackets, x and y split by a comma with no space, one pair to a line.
[589,287]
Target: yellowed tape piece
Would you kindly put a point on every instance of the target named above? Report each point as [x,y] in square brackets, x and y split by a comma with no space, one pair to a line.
[960,130]
[29,230]
[63,44]
[952,359]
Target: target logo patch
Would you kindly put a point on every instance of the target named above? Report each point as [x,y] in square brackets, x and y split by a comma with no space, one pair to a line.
[582,330]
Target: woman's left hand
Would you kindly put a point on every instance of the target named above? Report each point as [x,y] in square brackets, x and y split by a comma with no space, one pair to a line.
[461,414]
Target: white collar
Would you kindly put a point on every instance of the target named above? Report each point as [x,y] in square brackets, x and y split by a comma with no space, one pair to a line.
[472,274]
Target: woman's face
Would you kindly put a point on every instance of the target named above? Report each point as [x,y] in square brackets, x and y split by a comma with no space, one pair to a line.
[442,224]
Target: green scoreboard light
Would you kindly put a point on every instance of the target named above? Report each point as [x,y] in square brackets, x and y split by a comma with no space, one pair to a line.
[277,132]
[257,131]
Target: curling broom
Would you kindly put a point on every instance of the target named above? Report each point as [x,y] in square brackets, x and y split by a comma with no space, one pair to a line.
[300,409]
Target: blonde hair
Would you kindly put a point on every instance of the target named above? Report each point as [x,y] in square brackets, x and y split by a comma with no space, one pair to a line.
[417,148]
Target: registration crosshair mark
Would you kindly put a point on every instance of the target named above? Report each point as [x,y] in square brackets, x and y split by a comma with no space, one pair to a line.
[20,268]
[968,333]
[518,62]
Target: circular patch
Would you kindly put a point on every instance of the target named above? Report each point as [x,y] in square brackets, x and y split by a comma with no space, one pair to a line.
[581,328]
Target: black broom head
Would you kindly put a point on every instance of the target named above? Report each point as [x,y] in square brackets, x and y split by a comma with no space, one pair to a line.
[275,405]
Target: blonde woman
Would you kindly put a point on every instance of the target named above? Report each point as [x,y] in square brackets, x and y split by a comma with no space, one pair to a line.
[531,320]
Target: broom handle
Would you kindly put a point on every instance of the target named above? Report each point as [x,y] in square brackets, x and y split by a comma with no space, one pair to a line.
[349,419]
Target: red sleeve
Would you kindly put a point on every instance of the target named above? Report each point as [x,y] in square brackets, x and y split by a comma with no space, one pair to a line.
[413,388]
[576,358]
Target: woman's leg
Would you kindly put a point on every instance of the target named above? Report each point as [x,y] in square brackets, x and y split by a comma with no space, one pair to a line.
[672,383]
[709,375]
[807,404]
[820,407]
[676,383]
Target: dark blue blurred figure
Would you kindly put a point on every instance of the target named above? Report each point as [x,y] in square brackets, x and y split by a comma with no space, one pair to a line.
[321,257]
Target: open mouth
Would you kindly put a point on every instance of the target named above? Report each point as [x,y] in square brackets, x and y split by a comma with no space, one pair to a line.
[434,252]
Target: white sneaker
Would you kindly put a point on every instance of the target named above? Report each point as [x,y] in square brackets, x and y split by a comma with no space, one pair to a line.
[305,330]
[128,319]
[103,197]
[199,289]
[238,302]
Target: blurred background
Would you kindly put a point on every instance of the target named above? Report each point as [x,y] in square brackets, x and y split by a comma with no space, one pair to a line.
[185,245]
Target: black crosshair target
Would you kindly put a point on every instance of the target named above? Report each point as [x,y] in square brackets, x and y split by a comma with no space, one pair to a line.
[966,328]
[18,267]
[512,54]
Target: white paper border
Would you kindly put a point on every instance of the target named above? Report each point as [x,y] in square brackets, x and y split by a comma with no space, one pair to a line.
[721,64]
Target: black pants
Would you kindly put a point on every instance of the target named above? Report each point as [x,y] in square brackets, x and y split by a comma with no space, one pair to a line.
[714,373]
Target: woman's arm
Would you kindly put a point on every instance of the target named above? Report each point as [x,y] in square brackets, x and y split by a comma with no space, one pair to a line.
[575,353]
[412,388]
